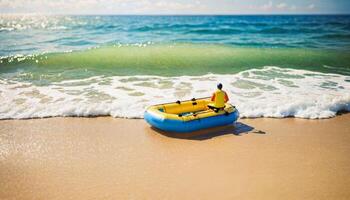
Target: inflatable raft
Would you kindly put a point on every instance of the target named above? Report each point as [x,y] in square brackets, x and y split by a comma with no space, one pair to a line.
[188,116]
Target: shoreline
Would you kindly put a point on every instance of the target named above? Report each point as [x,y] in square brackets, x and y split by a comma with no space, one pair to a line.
[339,113]
[114,158]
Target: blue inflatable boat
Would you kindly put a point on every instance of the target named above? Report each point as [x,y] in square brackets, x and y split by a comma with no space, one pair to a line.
[188,116]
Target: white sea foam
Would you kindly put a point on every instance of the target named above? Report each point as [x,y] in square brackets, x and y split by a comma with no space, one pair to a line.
[267,92]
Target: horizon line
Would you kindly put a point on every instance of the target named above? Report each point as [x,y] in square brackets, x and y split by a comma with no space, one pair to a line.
[174,14]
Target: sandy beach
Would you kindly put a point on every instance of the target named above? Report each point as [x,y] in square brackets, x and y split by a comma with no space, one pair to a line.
[111,158]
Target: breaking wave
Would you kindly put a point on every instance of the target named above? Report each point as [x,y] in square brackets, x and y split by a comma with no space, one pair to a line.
[266,92]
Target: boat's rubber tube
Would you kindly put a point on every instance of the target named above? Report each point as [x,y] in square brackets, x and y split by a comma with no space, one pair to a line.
[173,125]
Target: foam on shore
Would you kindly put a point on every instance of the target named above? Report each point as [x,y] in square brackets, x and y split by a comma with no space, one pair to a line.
[268,92]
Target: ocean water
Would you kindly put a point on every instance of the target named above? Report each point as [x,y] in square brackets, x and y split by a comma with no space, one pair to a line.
[271,66]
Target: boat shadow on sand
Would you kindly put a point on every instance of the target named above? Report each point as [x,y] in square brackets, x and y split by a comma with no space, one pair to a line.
[237,129]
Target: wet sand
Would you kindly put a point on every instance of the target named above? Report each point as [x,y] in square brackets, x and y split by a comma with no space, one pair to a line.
[108,158]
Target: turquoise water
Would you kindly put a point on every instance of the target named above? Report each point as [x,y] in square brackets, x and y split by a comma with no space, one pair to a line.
[172,45]
[106,65]
[37,34]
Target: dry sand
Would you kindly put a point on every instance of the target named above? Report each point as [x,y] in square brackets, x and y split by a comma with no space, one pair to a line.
[108,158]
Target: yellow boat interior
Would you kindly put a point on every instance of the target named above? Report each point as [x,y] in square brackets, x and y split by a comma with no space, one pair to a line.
[189,110]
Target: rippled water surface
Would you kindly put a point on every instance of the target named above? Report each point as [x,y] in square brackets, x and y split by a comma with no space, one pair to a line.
[29,34]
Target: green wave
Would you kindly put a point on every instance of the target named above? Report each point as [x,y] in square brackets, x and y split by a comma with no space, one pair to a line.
[174,60]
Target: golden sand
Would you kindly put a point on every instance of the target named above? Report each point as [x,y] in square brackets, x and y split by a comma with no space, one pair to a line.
[108,158]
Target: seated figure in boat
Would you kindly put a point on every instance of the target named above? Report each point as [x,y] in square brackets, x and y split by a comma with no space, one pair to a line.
[194,114]
[219,99]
